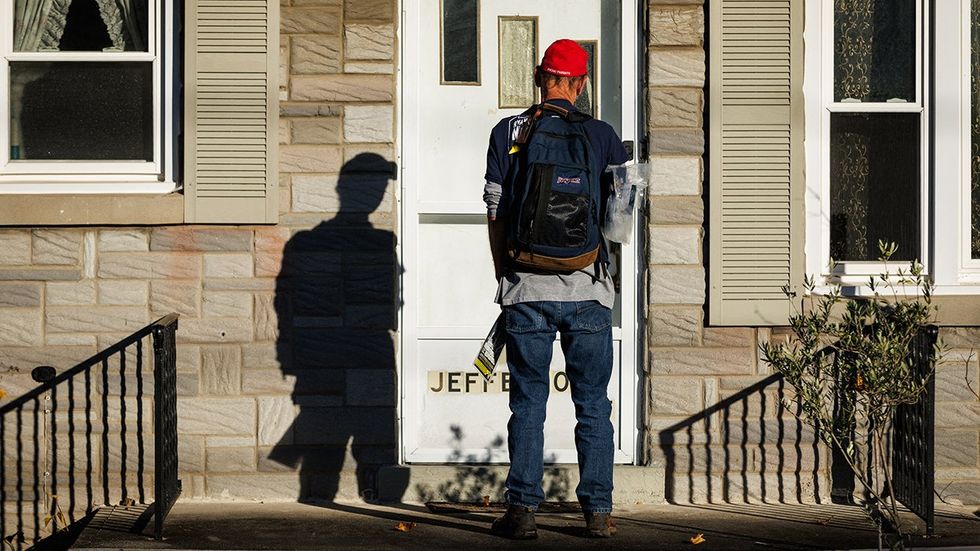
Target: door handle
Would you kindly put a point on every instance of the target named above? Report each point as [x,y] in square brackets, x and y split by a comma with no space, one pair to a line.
[628,144]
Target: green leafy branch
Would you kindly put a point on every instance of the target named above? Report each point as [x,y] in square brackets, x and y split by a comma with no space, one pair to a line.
[851,366]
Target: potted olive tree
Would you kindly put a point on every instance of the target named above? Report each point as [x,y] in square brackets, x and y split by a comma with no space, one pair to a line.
[849,364]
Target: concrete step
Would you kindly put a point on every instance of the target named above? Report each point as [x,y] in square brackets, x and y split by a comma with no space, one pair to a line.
[422,483]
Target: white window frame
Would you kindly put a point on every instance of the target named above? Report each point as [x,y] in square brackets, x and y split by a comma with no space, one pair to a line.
[819,93]
[70,177]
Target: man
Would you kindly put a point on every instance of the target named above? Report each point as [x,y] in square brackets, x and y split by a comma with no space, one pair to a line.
[537,304]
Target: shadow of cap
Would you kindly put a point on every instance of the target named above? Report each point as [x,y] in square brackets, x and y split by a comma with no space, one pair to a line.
[370,163]
[364,181]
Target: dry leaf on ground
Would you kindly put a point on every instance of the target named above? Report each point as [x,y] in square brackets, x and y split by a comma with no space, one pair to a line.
[697,539]
[404,526]
[2,393]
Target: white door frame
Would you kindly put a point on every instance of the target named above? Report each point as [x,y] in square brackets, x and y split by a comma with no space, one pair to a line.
[408,116]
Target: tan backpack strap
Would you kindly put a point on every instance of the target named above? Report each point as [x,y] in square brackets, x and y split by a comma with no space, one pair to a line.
[562,112]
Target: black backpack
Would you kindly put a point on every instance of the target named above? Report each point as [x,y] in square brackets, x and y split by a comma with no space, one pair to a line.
[555,194]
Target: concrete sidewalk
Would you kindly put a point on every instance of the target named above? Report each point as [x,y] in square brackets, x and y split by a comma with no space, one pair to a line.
[290,526]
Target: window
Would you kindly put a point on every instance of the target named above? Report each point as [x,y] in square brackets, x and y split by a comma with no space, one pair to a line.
[517,38]
[85,89]
[460,41]
[867,134]
[894,152]
[872,143]
[588,101]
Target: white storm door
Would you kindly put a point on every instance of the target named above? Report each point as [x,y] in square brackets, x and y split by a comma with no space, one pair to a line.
[462,60]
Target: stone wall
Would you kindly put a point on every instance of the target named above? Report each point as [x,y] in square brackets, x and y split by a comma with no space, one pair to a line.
[286,341]
[712,415]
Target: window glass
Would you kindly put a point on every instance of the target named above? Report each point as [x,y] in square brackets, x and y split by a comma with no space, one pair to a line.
[81,111]
[975,128]
[461,41]
[586,103]
[874,185]
[80,25]
[874,50]
[518,55]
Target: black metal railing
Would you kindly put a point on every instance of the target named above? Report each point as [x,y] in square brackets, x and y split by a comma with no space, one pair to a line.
[166,485]
[79,440]
[913,446]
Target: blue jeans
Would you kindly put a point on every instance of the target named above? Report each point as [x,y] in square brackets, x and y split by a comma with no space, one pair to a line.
[586,342]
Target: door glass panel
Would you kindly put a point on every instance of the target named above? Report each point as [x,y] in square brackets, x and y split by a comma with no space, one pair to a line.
[874,185]
[460,41]
[609,81]
[975,127]
[518,56]
[874,50]
[588,101]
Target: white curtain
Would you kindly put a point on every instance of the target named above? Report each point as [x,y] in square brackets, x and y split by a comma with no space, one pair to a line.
[134,17]
[113,22]
[39,24]
[125,19]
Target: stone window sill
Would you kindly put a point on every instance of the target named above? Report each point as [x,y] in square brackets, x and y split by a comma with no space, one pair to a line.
[91,210]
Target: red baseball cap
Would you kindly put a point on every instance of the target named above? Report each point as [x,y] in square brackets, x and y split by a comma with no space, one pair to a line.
[565,58]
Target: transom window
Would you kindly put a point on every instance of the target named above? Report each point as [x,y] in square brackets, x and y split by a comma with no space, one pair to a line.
[84,92]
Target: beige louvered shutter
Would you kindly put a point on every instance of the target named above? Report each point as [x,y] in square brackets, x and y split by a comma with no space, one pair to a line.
[756,159]
[230,94]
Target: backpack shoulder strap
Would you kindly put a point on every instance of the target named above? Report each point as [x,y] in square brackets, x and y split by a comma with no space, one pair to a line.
[567,114]
[525,134]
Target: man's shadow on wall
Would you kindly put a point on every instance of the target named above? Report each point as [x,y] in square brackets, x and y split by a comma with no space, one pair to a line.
[337,311]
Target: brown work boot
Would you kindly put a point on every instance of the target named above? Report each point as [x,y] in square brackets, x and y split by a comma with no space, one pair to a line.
[516,524]
[599,525]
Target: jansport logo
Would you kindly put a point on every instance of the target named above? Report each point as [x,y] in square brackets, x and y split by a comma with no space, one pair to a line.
[563,180]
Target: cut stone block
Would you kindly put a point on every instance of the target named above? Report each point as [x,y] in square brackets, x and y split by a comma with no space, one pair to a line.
[216,416]
[702,361]
[20,327]
[276,415]
[676,25]
[123,293]
[159,265]
[95,319]
[20,295]
[315,54]
[675,326]
[677,67]
[343,88]
[323,20]
[677,285]
[73,293]
[221,370]
[372,124]
[369,42]
[191,238]
[128,240]
[61,247]
[15,247]
[228,265]
[181,297]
